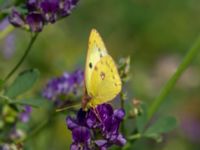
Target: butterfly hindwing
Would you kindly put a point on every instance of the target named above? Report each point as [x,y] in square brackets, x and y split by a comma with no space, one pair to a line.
[106,83]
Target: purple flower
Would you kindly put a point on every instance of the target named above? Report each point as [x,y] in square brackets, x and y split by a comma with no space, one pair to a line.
[25,114]
[59,88]
[81,138]
[50,9]
[35,21]
[191,128]
[42,12]
[103,125]
[66,6]
[16,19]
[32,5]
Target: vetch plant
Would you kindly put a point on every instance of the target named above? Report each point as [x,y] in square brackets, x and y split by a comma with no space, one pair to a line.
[105,107]
[38,13]
[96,131]
[61,90]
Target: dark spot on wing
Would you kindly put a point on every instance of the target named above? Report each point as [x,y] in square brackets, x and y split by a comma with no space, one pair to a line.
[102,75]
[90,65]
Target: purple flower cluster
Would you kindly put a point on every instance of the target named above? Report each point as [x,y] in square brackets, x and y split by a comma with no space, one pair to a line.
[58,89]
[41,12]
[25,114]
[98,128]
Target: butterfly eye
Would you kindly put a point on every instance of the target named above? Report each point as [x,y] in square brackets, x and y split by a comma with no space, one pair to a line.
[90,65]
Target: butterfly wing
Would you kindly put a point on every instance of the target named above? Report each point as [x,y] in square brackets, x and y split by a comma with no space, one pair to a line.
[106,82]
[96,50]
[102,81]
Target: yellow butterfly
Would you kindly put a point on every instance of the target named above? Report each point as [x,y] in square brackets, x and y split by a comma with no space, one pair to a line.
[102,80]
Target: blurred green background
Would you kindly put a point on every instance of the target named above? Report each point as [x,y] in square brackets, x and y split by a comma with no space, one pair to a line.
[155,34]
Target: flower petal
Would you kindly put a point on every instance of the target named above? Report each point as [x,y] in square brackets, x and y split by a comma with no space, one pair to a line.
[16,19]
[35,21]
[71,123]
[101,143]
[120,140]
[119,114]
[81,134]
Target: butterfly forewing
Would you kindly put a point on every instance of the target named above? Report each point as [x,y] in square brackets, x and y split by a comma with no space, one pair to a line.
[96,50]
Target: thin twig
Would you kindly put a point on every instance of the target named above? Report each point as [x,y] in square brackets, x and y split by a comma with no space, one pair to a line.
[21,60]
[172,81]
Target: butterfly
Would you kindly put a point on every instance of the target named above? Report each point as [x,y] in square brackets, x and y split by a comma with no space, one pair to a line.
[102,80]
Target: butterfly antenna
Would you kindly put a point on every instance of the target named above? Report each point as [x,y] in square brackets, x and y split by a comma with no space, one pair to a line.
[67,107]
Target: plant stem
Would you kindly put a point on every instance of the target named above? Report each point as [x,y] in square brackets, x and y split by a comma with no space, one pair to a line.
[172,81]
[22,58]
[38,128]
[134,137]
[6,31]
[5,99]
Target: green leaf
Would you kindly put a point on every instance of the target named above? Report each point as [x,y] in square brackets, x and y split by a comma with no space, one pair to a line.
[34,102]
[22,83]
[163,125]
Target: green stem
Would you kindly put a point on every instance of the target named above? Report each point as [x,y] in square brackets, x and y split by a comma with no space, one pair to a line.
[6,31]
[134,137]
[38,129]
[5,99]
[22,58]
[172,81]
